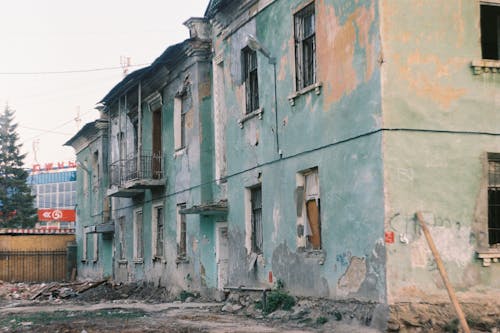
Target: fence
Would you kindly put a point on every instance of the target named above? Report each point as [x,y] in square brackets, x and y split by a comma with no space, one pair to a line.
[33,265]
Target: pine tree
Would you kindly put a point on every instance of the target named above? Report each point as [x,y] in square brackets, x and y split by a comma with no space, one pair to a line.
[16,202]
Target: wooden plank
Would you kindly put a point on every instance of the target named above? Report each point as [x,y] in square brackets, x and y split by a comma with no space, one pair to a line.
[444,275]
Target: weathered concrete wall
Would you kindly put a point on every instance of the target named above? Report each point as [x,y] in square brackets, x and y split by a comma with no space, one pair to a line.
[447,119]
[334,129]
[92,205]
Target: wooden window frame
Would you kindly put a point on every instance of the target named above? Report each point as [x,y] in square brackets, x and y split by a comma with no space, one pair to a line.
[250,79]
[305,47]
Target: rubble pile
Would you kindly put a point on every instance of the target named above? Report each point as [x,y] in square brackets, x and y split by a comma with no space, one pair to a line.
[44,291]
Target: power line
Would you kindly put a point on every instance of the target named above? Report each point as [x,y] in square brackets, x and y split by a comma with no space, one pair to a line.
[88,70]
[43,130]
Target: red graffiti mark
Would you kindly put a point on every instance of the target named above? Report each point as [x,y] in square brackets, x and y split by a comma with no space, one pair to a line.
[389,237]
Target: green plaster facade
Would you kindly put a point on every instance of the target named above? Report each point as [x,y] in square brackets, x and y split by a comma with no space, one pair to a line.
[395,121]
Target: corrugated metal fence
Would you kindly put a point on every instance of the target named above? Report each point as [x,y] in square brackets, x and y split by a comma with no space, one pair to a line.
[33,266]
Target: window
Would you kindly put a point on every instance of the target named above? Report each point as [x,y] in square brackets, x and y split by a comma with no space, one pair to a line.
[138,240]
[305,47]
[309,209]
[95,241]
[121,243]
[249,60]
[158,227]
[490,31]
[85,244]
[494,199]
[181,232]
[95,169]
[182,106]
[256,219]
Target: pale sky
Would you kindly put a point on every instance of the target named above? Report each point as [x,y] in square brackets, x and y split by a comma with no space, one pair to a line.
[41,36]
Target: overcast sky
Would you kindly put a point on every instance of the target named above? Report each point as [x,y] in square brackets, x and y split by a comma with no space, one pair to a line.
[42,36]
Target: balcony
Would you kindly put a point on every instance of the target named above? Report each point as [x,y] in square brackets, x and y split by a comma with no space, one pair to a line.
[131,176]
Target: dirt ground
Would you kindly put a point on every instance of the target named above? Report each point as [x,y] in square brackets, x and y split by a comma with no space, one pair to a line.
[100,306]
[141,308]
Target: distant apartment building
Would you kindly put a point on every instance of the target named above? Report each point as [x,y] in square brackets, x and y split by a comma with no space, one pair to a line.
[54,185]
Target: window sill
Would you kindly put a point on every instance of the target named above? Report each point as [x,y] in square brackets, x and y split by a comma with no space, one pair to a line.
[318,255]
[256,113]
[485,66]
[159,260]
[84,261]
[316,87]
[138,261]
[489,255]
[182,260]
[180,151]
[123,262]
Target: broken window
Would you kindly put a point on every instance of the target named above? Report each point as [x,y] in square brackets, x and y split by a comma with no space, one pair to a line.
[158,231]
[138,243]
[494,199]
[181,232]
[305,47]
[121,245]
[490,31]
[309,209]
[249,60]
[256,219]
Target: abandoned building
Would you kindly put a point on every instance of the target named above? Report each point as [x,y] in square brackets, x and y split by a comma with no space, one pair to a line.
[295,140]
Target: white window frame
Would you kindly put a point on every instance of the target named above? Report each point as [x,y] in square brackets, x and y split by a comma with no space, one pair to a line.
[95,251]
[138,235]
[154,230]
[248,218]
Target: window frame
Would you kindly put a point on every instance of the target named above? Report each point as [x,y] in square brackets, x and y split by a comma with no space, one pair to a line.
[302,197]
[181,232]
[157,232]
[495,5]
[257,235]
[493,225]
[300,39]
[138,235]
[250,79]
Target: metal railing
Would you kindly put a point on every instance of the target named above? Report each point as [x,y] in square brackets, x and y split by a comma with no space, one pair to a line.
[147,166]
[33,265]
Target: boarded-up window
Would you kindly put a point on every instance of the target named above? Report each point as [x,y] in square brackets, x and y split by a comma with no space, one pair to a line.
[256,219]
[490,31]
[249,59]
[312,224]
[494,199]
[181,229]
[305,47]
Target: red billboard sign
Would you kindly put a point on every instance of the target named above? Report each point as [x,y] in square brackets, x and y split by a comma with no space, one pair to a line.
[64,215]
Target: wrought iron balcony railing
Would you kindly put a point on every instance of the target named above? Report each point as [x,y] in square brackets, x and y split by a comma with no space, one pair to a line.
[134,169]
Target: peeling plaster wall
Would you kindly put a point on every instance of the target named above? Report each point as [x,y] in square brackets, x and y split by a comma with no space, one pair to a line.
[428,84]
[336,131]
